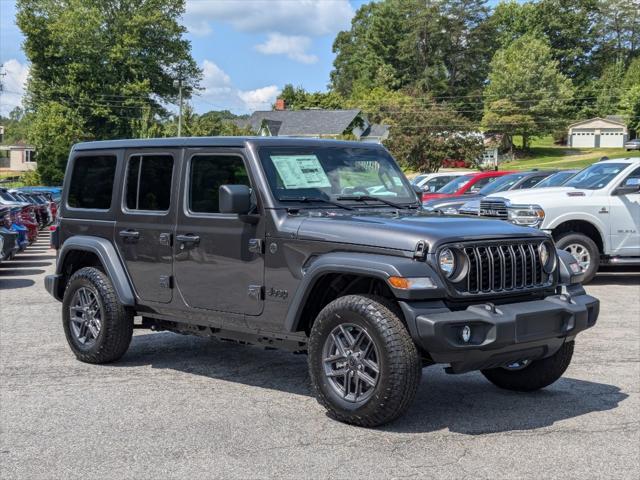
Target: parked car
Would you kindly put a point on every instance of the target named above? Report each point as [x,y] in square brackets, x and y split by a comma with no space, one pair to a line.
[632,144]
[467,184]
[254,240]
[513,181]
[432,182]
[8,238]
[557,179]
[23,214]
[595,216]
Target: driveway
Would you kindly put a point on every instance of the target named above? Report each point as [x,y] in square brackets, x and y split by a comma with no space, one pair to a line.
[186,407]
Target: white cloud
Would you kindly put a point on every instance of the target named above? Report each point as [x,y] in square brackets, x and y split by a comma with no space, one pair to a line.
[219,92]
[13,85]
[260,98]
[293,46]
[299,17]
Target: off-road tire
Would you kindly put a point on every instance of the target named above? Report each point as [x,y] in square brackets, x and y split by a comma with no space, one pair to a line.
[539,374]
[579,238]
[400,366]
[117,326]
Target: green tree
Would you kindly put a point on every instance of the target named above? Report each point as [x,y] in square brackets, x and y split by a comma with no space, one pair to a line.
[441,48]
[630,101]
[526,75]
[107,62]
[297,98]
[423,135]
[53,129]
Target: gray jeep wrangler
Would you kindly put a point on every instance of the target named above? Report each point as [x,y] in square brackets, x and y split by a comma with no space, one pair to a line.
[313,246]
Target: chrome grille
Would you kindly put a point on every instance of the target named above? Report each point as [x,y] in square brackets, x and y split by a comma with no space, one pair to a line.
[493,208]
[502,267]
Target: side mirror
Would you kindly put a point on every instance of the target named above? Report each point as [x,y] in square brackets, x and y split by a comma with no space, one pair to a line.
[234,199]
[631,185]
[417,189]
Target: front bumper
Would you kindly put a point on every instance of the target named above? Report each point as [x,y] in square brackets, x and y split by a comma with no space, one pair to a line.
[500,334]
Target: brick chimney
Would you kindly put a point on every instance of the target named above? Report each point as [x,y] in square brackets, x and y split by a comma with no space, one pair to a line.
[280,105]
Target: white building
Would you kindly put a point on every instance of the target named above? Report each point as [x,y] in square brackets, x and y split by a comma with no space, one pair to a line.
[598,133]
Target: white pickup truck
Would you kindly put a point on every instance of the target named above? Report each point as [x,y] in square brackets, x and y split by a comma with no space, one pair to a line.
[595,216]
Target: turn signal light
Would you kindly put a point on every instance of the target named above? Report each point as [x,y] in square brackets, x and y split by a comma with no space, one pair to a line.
[415,283]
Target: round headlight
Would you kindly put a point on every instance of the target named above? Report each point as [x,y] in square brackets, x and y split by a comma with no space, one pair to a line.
[447,262]
[547,261]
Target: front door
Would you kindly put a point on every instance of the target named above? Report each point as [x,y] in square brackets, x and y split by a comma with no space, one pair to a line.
[145,223]
[218,261]
[625,221]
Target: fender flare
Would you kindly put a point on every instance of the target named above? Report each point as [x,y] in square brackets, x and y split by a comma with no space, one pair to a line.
[371,265]
[109,259]
[592,220]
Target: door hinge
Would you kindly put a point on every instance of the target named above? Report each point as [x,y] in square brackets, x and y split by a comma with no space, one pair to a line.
[421,250]
[165,239]
[256,245]
[166,281]
[256,292]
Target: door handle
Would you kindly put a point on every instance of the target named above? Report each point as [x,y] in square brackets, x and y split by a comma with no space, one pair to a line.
[129,234]
[188,238]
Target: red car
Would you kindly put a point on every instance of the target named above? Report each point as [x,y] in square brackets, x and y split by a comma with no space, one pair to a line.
[470,183]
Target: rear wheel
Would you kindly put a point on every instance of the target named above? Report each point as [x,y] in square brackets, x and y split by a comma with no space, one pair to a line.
[584,250]
[528,376]
[364,366]
[97,326]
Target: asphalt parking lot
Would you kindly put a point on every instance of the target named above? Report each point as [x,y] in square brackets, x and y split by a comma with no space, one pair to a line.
[186,407]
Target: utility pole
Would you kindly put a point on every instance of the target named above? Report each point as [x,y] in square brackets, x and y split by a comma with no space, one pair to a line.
[178,83]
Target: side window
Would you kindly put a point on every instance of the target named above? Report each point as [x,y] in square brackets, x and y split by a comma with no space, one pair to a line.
[149,182]
[530,182]
[207,173]
[91,183]
[476,187]
[635,175]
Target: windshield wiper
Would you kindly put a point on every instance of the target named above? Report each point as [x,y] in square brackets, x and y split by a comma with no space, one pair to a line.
[369,198]
[314,200]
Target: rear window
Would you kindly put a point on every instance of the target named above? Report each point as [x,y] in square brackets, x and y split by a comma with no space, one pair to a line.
[91,183]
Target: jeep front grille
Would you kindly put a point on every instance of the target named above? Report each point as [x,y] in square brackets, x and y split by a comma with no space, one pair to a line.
[502,267]
[493,208]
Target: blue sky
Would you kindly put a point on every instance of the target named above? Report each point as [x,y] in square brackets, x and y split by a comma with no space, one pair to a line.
[248,49]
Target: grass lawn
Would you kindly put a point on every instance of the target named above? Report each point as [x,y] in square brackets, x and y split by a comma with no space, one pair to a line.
[544,154]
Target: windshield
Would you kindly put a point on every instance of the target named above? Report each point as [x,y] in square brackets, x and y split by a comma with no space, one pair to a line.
[418,179]
[596,176]
[555,180]
[328,173]
[6,196]
[501,184]
[456,184]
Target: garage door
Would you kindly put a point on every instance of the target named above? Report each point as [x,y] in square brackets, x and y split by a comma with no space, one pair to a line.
[583,139]
[611,139]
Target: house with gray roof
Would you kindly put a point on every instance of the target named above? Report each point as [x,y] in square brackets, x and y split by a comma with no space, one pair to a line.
[315,123]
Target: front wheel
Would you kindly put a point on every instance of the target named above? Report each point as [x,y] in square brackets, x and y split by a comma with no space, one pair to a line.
[528,376]
[584,250]
[364,367]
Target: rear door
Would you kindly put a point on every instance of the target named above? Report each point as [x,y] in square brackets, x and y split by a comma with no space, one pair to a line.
[145,223]
[218,263]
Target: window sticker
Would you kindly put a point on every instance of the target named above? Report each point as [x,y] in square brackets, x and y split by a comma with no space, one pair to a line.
[300,171]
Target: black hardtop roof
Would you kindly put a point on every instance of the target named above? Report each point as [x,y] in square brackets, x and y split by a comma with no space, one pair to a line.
[195,142]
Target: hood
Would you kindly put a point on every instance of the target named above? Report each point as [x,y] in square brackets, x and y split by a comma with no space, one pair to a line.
[451,201]
[432,196]
[535,196]
[404,231]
